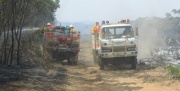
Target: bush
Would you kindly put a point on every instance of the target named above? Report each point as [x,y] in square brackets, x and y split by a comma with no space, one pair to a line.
[174,71]
[39,53]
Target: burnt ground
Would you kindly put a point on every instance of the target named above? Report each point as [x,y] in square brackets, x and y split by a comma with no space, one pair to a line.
[32,77]
[86,77]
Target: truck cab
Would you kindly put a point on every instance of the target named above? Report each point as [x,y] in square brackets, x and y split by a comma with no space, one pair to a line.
[117,44]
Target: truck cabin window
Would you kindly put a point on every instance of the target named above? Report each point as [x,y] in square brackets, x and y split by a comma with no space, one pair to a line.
[62,31]
[117,32]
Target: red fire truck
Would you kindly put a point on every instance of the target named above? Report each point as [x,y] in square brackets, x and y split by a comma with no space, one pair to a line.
[61,44]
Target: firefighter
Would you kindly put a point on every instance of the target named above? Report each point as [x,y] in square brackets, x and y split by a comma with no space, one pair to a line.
[106,33]
[72,29]
[73,32]
[49,25]
[127,32]
[96,28]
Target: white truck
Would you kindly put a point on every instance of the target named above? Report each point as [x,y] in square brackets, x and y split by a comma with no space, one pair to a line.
[115,44]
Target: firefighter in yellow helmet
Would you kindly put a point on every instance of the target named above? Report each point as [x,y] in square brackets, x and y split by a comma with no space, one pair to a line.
[96,28]
[73,32]
[47,28]
[72,29]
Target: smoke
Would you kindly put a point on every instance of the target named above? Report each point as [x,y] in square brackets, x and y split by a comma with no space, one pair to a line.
[150,37]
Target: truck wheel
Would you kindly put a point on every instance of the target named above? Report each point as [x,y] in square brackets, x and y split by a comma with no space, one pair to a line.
[98,62]
[134,62]
[101,63]
[75,59]
[47,54]
[70,61]
[95,57]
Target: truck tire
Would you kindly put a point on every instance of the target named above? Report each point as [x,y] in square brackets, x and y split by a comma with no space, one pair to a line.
[101,63]
[95,57]
[47,55]
[70,61]
[134,63]
[75,59]
[53,55]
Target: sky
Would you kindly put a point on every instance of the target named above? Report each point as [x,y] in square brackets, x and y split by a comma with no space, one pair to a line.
[112,10]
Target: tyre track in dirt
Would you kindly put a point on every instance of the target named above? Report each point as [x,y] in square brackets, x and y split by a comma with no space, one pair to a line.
[87,77]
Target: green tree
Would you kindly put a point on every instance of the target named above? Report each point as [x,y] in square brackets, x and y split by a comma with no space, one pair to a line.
[17,14]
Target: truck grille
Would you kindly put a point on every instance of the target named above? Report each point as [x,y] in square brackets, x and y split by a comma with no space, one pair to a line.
[106,49]
[119,48]
[116,49]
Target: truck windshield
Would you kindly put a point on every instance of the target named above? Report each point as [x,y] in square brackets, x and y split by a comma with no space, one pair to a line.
[65,32]
[117,32]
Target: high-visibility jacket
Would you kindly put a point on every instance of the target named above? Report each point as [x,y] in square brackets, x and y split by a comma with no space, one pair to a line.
[73,31]
[73,34]
[96,28]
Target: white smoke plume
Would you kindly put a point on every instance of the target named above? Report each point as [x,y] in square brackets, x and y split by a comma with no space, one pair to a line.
[150,37]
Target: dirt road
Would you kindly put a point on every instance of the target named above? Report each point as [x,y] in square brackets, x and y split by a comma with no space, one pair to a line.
[87,77]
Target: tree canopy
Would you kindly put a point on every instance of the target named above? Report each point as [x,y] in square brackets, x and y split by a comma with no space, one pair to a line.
[17,14]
